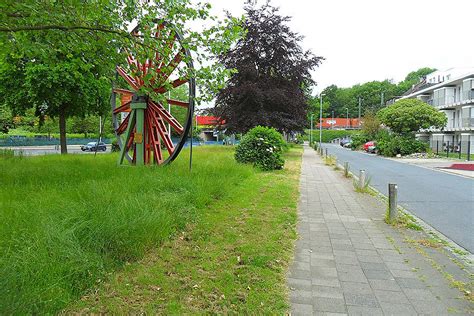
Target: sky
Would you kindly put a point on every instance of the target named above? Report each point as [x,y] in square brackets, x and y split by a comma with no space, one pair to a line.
[366,40]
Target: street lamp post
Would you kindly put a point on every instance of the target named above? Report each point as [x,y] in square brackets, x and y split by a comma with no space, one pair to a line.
[360,101]
[311,131]
[332,118]
[320,118]
[347,118]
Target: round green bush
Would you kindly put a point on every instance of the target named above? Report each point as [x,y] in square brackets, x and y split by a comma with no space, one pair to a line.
[391,146]
[262,147]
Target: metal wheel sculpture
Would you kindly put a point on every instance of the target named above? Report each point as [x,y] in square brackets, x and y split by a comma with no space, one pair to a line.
[140,119]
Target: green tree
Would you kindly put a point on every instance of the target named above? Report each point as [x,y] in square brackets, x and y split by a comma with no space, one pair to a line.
[274,73]
[314,108]
[407,116]
[85,125]
[370,124]
[413,78]
[6,119]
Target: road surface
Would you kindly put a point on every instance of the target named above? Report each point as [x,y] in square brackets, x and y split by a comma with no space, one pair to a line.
[445,201]
[46,150]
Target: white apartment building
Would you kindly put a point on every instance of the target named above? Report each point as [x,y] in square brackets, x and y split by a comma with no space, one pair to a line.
[451,92]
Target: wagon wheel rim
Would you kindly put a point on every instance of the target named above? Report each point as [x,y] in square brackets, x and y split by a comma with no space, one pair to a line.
[156,116]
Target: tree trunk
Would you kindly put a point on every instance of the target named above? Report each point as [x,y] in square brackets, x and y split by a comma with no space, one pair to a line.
[62,130]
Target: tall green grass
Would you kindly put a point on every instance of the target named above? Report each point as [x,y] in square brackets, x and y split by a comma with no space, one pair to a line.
[65,222]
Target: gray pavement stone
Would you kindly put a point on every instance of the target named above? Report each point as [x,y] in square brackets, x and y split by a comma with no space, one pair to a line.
[344,263]
[356,287]
[301,296]
[367,300]
[387,285]
[408,283]
[346,259]
[299,284]
[334,305]
[378,274]
[373,266]
[391,297]
[327,291]
[353,276]
[301,309]
[419,295]
[392,309]
[364,311]
[430,308]
[332,282]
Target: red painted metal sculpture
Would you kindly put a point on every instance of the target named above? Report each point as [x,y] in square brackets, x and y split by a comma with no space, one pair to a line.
[147,132]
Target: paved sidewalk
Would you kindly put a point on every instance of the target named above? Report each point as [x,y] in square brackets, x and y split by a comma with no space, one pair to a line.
[348,261]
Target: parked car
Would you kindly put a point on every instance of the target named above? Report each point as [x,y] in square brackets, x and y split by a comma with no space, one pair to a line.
[345,143]
[370,147]
[92,146]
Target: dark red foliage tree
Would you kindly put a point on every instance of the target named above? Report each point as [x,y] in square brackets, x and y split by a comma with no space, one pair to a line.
[273,73]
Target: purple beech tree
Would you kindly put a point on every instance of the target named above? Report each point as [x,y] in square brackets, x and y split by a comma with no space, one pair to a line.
[272,80]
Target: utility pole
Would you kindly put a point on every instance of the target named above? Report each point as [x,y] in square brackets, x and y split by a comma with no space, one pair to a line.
[347,118]
[332,123]
[320,118]
[311,131]
[381,99]
[360,101]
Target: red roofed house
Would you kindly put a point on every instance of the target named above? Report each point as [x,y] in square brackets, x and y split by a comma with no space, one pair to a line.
[339,123]
[208,125]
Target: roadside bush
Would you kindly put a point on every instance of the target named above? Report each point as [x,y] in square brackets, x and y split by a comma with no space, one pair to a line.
[391,145]
[262,147]
[358,140]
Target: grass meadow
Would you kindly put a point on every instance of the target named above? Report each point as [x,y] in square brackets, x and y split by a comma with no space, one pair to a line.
[73,226]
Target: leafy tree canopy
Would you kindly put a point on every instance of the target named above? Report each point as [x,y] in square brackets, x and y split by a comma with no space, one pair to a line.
[373,94]
[273,75]
[414,77]
[59,57]
[407,116]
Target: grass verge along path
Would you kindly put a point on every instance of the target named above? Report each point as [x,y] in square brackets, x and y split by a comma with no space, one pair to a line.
[233,259]
[66,222]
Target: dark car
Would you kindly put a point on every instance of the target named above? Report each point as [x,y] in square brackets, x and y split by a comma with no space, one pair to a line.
[346,143]
[92,146]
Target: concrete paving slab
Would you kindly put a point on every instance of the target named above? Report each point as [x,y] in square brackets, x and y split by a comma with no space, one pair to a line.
[345,263]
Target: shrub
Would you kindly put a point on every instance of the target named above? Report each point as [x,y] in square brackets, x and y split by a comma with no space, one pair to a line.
[262,147]
[358,140]
[390,145]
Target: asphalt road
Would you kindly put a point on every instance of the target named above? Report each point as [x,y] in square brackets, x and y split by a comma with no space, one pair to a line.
[445,201]
[46,150]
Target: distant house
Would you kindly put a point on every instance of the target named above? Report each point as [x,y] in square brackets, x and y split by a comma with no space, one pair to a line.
[339,123]
[451,92]
[208,126]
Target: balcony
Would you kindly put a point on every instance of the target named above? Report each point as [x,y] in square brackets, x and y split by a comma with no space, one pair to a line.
[450,102]
[467,96]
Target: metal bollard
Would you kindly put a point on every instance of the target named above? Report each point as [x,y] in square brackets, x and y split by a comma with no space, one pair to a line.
[361,179]
[392,201]
[346,169]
